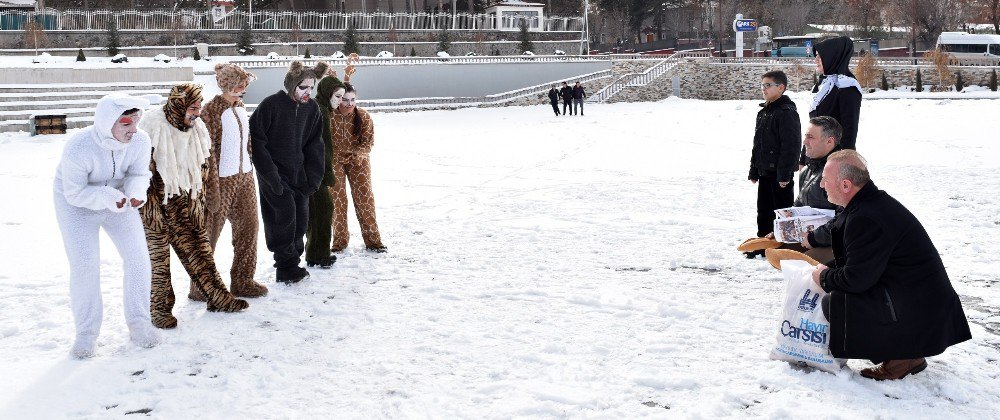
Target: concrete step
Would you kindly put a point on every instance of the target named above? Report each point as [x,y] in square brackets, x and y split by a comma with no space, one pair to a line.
[84,87]
[27,98]
[26,115]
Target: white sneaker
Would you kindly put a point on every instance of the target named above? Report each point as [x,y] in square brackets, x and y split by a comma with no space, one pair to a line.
[147,337]
[85,347]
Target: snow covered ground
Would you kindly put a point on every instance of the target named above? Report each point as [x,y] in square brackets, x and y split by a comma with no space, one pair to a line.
[538,266]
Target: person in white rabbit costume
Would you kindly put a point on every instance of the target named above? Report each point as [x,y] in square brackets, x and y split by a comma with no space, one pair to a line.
[101,182]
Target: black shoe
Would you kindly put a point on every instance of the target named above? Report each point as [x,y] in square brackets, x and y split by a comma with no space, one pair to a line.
[291,275]
[753,254]
[379,249]
[324,264]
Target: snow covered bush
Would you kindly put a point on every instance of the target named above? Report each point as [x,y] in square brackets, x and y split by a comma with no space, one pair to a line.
[42,58]
[163,58]
[273,56]
[119,58]
[559,52]
[338,55]
[443,54]
[384,54]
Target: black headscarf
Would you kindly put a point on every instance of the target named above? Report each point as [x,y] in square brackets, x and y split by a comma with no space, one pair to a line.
[836,54]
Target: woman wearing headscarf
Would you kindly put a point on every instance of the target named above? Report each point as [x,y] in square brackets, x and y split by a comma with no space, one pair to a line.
[838,94]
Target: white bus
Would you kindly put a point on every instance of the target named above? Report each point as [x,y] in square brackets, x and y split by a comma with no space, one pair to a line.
[966,45]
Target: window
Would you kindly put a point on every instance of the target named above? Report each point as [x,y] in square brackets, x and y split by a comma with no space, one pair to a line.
[995,49]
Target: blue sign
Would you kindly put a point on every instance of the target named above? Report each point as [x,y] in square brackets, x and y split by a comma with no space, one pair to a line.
[873,45]
[745,25]
[809,48]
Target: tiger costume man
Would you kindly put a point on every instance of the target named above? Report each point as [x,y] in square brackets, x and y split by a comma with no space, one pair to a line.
[174,215]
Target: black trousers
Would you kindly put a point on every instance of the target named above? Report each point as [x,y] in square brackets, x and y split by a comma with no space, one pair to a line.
[568,104]
[555,107]
[286,218]
[770,197]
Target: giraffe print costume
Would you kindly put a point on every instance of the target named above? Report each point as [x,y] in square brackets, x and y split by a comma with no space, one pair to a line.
[351,164]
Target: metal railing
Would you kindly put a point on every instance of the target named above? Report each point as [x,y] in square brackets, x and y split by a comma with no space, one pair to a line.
[644,78]
[473,101]
[146,20]
[879,61]
[482,59]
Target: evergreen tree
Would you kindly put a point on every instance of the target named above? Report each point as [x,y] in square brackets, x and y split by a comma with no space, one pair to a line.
[444,40]
[307,53]
[114,42]
[413,53]
[351,44]
[959,83]
[244,40]
[197,55]
[993,80]
[80,56]
[920,82]
[525,38]
[885,82]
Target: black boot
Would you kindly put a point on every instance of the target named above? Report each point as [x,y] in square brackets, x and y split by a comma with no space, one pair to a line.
[291,275]
[324,264]
[754,254]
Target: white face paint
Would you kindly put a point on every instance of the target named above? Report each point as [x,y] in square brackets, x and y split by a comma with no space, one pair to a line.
[335,99]
[126,126]
[303,92]
[237,92]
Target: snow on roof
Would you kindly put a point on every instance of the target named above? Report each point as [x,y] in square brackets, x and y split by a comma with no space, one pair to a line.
[511,3]
[18,3]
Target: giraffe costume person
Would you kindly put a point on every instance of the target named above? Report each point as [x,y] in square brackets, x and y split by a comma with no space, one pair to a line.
[353,135]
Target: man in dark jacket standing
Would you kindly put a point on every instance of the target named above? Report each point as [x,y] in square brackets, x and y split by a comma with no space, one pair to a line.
[554,99]
[774,158]
[578,95]
[286,132]
[890,299]
[567,96]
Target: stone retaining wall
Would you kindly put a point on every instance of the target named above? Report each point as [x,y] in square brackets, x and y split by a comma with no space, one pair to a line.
[713,81]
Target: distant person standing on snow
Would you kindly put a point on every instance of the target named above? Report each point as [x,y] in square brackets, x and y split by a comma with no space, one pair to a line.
[578,95]
[100,182]
[554,99]
[353,134]
[567,96]
[839,94]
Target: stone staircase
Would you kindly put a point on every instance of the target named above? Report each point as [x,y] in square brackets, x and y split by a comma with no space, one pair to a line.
[75,100]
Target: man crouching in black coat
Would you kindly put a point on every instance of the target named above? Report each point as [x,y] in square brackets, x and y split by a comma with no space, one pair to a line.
[286,132]
[776,143]
[890,299]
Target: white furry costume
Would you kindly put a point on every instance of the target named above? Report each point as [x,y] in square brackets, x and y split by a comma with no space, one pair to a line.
[95,173]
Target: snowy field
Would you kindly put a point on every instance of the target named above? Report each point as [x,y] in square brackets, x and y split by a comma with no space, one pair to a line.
[543,267]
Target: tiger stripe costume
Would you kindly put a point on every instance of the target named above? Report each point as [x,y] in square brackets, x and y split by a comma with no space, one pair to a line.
[174,214]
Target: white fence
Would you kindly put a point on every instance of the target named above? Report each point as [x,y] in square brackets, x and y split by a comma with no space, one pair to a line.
[97,20]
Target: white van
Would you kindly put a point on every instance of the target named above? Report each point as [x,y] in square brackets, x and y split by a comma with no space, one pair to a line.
[966,45]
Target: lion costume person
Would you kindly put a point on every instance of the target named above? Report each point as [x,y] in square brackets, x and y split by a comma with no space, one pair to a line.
[174,215]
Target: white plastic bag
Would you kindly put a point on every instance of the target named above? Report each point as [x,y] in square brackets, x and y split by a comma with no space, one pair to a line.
[804,333]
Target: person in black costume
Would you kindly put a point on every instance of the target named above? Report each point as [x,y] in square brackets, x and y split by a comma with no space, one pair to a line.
[554,99]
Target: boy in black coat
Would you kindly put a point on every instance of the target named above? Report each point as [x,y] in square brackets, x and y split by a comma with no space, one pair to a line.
[776,144]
